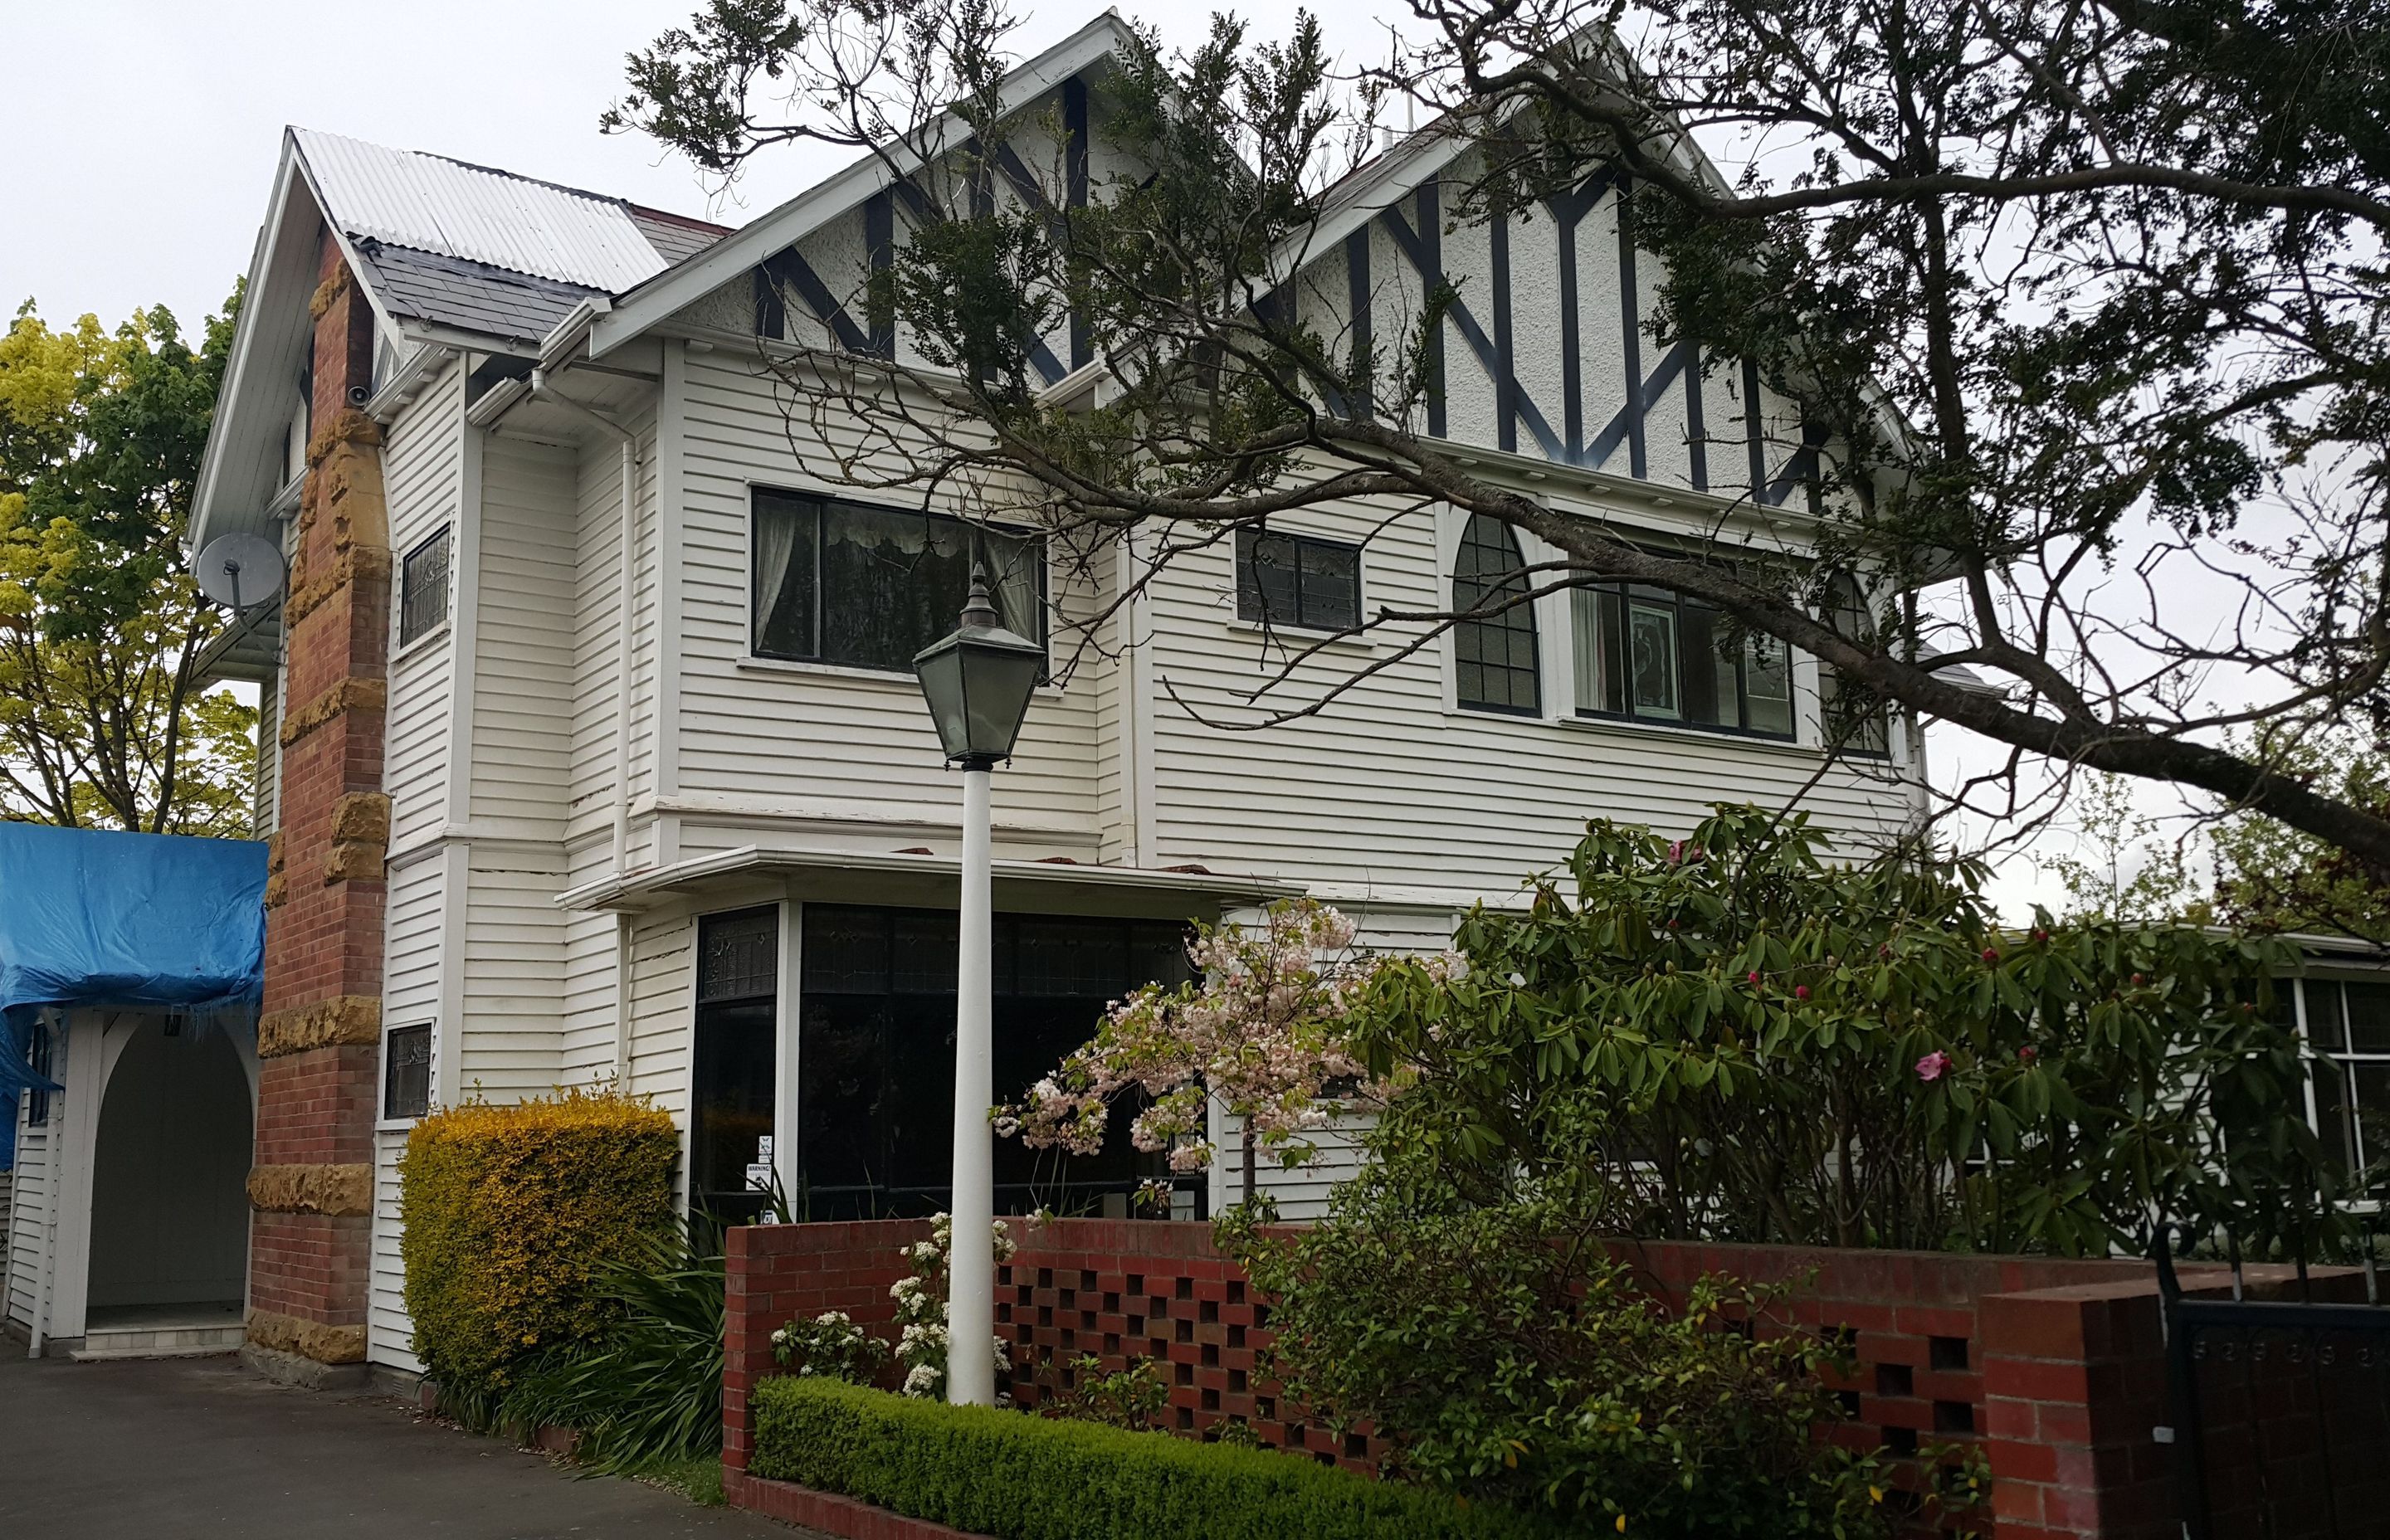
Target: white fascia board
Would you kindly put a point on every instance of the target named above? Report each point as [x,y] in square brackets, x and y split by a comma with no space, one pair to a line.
[642,890]
[243,364]
[745,249]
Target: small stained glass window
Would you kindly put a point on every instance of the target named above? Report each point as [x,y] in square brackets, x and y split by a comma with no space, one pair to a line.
[738,956]
[423,589]
[406,1073]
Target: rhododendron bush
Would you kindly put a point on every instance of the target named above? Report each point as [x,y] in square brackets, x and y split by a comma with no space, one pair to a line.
[1260,1028]
[1781,1047]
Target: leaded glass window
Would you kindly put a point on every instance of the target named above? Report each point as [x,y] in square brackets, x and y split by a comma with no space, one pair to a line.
[1493,650]
[1298,580]
[423,588]
[406,1073]
[1653,656]
[870,587]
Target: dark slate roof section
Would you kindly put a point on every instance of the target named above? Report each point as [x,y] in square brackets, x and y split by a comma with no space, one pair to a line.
[470,296]
[675,237]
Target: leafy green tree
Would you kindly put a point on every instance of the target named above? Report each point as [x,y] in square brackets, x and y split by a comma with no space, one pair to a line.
[2123,865]
[2269,877]
[102,724]
[1782,1050]
[2081,307]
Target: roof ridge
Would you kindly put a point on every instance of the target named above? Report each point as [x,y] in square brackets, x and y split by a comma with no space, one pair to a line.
[628,205]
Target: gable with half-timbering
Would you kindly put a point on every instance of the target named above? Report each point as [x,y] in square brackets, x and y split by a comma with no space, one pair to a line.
[1544,348]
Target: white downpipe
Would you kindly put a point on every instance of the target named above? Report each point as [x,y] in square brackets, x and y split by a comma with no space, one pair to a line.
[971,1299]
[625,650]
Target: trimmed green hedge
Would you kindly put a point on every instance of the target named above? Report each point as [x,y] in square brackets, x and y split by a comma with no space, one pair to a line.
[1019,1477]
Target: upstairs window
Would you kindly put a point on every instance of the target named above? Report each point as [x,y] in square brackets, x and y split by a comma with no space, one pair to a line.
[406,1073]
[1494,654]
[423,589]
[870,587]
[1854,721]
[1298,580]
[1649,655]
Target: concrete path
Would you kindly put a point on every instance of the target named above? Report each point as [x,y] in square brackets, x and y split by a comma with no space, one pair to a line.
[166,1449]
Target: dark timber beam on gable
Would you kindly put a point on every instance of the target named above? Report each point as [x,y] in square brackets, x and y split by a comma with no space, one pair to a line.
[1075,193]
[1424,248]
[788,272]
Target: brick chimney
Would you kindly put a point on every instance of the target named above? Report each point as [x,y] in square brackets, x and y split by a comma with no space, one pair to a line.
[318,1040]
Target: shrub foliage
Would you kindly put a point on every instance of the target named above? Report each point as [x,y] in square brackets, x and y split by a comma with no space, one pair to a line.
[512,1215]
[1784,1049]
[646,1390]
[1511,1359]
[1024,1478]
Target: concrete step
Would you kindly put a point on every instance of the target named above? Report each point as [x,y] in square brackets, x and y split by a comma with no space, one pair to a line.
[158,1342]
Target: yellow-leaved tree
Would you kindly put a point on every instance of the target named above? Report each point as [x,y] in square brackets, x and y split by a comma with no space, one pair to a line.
[102,724]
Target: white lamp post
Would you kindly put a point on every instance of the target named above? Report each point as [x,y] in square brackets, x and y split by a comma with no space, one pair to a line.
[977,683]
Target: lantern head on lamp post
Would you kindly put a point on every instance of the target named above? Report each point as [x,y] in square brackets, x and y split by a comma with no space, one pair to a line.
[978,681]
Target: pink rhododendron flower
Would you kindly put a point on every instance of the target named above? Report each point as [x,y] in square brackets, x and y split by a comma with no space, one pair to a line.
[1933,1065]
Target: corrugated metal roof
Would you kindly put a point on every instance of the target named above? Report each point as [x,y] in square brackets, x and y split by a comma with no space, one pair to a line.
[434,204]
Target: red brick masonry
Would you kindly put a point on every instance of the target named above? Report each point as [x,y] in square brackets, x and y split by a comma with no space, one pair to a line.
[2054,1368]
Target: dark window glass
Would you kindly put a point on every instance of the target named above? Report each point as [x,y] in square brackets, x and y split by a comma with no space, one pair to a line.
[1493,656]
[876,1067]
[39,1057]
[738,956]
[1298,580]
[2368,1017]
[1650,655]
[406,1073]
[2327,1027]
[2335,1120]
[870,587]
[423,589]
[738,994]
[2373,1086]
[1855,720]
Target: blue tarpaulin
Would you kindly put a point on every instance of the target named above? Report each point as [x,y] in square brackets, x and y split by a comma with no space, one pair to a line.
[132,921]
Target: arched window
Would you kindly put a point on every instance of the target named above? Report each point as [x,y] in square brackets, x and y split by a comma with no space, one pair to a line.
[1494,654]
[1854,721]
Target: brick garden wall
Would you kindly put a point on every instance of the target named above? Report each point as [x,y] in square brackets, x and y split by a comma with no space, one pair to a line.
[2054,1368]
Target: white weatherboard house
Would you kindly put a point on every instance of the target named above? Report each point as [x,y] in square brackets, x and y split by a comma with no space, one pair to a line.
[665,805]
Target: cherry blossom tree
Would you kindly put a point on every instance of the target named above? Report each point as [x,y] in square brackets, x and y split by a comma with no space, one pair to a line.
[1260,1029]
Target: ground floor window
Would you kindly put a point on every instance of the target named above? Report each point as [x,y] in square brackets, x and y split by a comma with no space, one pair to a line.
[875,1061]
[738,999]
[2349,1027]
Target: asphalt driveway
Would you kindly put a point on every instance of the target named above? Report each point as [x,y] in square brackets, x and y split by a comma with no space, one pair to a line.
[169,1448]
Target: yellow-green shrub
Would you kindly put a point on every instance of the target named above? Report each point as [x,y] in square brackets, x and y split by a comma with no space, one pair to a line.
[510,1213]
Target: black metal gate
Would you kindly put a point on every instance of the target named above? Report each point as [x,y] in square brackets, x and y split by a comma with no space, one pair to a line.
[2280,1407]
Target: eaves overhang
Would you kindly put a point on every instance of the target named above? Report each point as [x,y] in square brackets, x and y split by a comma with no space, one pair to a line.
[634,891]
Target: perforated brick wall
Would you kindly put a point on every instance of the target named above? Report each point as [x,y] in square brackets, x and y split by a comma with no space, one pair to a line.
[2054,1368]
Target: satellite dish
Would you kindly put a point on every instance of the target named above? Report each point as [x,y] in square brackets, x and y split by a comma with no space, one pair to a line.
[239,572]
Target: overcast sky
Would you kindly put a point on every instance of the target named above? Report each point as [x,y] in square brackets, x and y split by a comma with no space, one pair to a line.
[144,133]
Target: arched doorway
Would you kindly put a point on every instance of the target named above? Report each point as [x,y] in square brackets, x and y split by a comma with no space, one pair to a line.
[169,1200]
